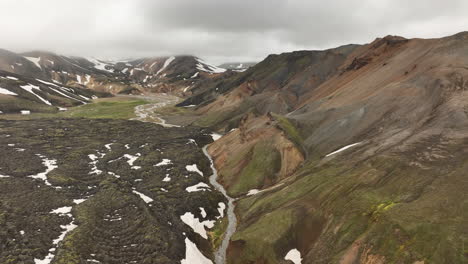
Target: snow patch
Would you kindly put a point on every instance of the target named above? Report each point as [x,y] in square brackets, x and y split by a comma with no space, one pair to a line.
[253,192]
[197,226]
[78,201]
[93,163]
[198,187]
[132,159]
[216,136]
[343,148]
[63,94]
[35,61]
[99,64]
[167,178]
[7,92]
[50,164]
[164,162]
[221,208]
[193,168]
[30,89]
[166,63]
[195,75]
[66,210]
[294,255]
[65,230]
[193,254]
[206,67]
[145,198]
[203,212]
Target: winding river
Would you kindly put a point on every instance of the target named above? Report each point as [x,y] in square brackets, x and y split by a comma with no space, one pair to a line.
[146,113]
[220,254]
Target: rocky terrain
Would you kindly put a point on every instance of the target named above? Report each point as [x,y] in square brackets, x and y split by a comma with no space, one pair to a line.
[103,191]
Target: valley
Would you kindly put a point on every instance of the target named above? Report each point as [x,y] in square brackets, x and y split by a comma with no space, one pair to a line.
[356,154]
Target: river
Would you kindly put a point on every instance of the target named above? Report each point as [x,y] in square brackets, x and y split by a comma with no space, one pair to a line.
[145,113]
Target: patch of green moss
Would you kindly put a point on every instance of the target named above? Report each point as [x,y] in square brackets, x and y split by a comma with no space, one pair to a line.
[291,131]
[107,109]
[263,165]
[57,178]
[111,108]
[216,234]
[212,118]
[263,236]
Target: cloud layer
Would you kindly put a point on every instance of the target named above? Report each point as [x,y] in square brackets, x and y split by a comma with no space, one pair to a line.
[218,30]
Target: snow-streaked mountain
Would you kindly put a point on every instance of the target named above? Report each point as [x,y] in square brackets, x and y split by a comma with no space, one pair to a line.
[237,66]
[175,74]
[20,94]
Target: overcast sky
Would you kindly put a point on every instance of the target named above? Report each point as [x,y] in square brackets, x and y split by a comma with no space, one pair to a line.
[217,30]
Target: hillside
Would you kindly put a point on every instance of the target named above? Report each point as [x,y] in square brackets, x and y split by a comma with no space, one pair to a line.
[352,155]
[24,94]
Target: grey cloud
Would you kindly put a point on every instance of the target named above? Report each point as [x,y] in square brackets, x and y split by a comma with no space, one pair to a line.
[219,30]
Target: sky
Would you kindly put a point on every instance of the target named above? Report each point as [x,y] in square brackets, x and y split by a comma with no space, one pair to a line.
[217,30]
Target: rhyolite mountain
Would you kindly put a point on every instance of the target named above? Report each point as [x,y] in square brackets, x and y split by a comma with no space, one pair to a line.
[21,94]
[357,154]
[176,74]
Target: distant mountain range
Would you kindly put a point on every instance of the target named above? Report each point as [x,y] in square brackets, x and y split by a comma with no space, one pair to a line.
[177,75]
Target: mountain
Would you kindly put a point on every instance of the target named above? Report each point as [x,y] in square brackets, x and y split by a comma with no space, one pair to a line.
[356,154]
[177,74]
[20,94]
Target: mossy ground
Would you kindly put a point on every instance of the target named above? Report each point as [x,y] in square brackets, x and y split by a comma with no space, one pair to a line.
[291,131]
[114,225]
[402,212]
[263,164]
[111,108]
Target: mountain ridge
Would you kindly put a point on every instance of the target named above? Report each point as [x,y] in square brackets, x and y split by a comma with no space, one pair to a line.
[383,130]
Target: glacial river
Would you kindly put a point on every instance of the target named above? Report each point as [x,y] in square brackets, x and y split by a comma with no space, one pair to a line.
[146,113]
